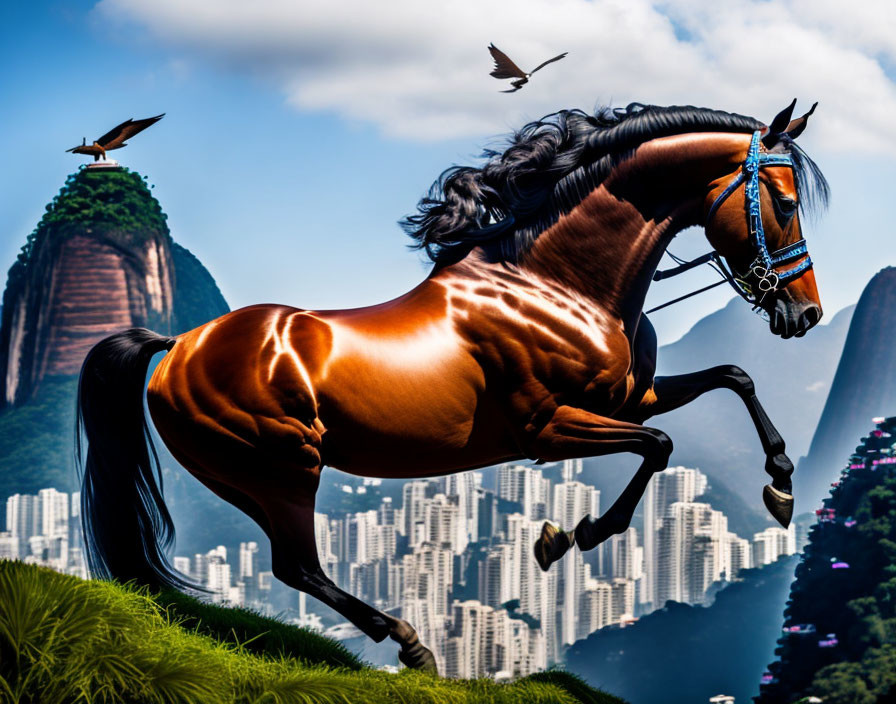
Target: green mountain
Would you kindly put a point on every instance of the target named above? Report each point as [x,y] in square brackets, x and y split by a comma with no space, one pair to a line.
[839,641]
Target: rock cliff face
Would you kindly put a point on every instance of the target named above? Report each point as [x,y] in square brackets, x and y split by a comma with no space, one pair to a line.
[100,260]
[864,387]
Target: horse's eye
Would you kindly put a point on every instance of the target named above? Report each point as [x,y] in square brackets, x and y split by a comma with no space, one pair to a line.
[786,206]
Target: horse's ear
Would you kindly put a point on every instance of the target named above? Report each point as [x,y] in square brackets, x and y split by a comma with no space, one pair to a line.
[796,127]
[779,125]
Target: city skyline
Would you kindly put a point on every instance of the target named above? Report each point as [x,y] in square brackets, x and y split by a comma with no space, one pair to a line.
[456,559]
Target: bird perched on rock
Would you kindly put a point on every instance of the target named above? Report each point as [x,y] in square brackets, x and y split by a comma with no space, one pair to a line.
[505,68]
[114,138]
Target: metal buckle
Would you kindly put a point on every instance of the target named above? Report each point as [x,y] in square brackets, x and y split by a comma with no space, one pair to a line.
[767,278]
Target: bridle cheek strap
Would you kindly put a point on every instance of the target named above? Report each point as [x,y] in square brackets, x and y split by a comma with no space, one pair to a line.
[762,272]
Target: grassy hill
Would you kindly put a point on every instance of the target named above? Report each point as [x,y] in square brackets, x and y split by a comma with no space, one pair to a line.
[63,639]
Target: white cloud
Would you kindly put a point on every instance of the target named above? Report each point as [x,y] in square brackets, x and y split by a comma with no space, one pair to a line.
[420,70]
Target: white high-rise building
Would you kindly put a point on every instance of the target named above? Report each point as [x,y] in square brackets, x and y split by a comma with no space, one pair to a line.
[362,537]
[538,591]
[676,484]
[182,565]
[622,603]
[772,543]
[22,521]
[467,652]
[595,607]
[413,502]
[741,554]
[53,507]
[692,552]
[217,573]
[323,540]
[427,577]
[571,469]
[572,502]
[574,574]
[461,490]
[626,556]
[484,641]
[442,523]
[527,487]
[495,576]
[248,560]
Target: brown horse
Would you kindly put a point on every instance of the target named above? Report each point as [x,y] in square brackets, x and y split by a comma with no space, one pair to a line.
[527,340]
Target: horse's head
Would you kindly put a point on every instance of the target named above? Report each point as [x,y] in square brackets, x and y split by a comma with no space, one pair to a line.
[753,222]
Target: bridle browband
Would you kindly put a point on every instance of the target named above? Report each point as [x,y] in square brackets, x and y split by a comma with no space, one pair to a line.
[762,274]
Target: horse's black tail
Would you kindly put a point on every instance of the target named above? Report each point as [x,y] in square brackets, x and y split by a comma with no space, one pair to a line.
[127,527]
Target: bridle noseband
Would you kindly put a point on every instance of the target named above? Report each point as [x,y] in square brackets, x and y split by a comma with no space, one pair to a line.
[762,277]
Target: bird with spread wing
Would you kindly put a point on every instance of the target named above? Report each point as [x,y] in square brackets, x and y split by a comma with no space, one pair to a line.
[505,68]
[114,138]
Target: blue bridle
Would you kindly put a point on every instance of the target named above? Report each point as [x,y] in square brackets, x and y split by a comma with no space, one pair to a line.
[762,271]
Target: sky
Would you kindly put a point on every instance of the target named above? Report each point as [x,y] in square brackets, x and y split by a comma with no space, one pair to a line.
[298,132]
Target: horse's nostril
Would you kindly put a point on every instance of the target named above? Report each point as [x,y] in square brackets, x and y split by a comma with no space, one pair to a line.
[813,315]
[810,317]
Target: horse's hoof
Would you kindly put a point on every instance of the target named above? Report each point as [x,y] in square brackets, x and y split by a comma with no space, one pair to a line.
[779,504]
[552,545]
[418,657]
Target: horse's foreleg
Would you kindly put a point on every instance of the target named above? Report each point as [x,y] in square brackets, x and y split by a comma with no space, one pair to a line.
[675,391]
[572,432]
[295,562]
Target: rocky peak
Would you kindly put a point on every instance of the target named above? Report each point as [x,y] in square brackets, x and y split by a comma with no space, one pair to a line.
[101,259]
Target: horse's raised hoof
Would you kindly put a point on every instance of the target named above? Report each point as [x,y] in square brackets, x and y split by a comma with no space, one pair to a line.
[779,504]
[552,545]
[418,657]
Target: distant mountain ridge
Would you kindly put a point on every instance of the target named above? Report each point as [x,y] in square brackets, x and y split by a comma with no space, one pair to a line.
[864,386]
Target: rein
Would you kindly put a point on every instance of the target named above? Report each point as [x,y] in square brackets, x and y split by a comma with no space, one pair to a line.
[762,272]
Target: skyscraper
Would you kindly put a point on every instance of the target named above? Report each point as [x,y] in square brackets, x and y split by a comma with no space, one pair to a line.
[692,547]
[413,500]
[676,484]
[572,502]
[773,542]
[526,486]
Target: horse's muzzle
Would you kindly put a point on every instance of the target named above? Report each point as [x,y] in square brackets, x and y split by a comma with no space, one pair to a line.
[789,318]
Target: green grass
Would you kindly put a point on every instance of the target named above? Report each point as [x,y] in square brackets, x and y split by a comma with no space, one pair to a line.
[256,634]
[63,639]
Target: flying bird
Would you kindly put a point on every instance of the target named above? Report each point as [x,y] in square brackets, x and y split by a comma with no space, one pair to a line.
[114,138]
[505,68]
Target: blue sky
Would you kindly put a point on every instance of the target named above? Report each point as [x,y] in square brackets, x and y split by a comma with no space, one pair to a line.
[298,133]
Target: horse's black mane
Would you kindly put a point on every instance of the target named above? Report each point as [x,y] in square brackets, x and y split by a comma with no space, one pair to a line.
[549,167]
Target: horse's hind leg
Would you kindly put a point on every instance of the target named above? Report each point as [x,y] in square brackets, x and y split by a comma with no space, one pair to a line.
[572,432]
[675,391]
[290,515]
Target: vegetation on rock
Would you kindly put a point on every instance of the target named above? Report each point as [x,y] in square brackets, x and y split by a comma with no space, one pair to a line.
[842,608]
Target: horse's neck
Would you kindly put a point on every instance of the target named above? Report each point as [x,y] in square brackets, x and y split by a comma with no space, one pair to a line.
[608,247]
